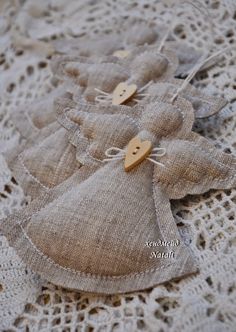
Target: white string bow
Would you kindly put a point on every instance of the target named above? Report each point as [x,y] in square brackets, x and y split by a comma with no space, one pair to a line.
[120,154]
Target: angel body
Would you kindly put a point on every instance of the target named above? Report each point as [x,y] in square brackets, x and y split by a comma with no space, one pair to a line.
[100,219]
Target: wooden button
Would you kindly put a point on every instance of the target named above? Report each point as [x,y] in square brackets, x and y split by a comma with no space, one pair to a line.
[123,92]
[121,54]
[137,151]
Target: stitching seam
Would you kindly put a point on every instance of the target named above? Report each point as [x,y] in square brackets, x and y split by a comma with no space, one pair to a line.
[88,274]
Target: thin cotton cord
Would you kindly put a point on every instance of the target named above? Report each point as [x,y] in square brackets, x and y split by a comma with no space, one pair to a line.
[102,92]
[162,44]
[111,156]
[206,13]
[145,86]
[155,162]
[158,152]
[195,69]
[197,5]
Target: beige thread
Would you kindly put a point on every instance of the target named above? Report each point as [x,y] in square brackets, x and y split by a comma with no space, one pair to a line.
[31,175]
[196,68]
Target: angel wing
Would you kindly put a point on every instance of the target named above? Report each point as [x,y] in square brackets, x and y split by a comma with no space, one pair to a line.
[193,166]
[97,132]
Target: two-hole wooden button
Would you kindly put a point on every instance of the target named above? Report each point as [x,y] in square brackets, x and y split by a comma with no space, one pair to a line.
[136,152]
[123,92]
[121,54]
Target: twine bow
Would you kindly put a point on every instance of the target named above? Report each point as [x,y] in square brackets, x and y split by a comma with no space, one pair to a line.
[121,154]
[107,97]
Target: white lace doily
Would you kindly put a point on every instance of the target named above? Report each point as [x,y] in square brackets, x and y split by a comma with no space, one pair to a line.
[205,302]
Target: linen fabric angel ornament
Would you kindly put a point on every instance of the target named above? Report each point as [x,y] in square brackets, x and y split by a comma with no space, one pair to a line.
[126,34]
[104,75]
[34,122]
[125,37]
[99,81]
[90,232]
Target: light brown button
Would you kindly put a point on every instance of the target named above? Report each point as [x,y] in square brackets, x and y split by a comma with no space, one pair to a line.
[123,92]
[121,54]
[137,151]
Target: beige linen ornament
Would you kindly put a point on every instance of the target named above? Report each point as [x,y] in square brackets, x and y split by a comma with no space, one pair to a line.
[51,159]
[31,118]
[100,218]
[126,36]
[141,66]
[106,74]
